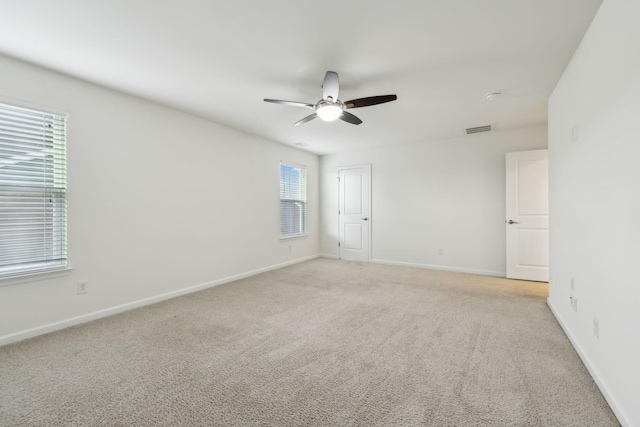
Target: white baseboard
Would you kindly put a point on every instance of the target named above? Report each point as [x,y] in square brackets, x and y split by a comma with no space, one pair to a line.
[443,268]
[617,410]
[330,256]
[51,327]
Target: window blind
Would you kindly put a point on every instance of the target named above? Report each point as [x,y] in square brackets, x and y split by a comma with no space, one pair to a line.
[293,200]
[33,204]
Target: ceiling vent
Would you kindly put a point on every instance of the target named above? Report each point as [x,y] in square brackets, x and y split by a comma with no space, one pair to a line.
[478,129]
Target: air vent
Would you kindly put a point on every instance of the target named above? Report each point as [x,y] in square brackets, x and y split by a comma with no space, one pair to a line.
[478,129]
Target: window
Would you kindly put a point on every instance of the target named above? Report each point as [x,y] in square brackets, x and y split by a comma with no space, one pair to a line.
[293,200]
[33,203]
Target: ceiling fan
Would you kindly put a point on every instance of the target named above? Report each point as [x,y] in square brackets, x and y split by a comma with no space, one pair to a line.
[330,108]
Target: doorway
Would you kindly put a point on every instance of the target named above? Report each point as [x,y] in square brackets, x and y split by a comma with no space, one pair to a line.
[355,213]
[527,219]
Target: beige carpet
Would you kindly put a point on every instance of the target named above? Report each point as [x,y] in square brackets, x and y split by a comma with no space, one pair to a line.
[325,342]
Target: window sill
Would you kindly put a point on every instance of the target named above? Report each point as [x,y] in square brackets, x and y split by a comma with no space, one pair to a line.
[295,236]
[35,276]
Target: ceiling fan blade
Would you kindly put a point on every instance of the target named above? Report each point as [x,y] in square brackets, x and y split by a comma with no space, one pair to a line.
[306,119]
[372,100]
[350,118]
[330,86]
[290,103]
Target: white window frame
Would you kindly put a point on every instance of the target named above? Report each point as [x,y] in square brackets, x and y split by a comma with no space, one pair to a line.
[33,200]
[293,202]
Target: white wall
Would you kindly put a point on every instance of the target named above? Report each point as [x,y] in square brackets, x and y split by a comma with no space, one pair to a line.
[158,201]
[595,203]
[443,194]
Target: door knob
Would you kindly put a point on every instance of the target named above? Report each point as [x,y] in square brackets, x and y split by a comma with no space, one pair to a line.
[513,222]
[365,219]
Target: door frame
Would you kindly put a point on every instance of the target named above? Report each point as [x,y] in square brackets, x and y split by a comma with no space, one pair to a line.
[343,168]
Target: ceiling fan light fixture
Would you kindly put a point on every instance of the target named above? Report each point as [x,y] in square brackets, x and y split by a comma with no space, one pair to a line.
[330,108]
[329,111]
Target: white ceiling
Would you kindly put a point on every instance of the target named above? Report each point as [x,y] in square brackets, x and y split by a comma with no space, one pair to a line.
[219,59]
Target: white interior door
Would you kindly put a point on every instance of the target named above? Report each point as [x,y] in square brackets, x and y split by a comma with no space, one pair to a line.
[354,211]
[528,215]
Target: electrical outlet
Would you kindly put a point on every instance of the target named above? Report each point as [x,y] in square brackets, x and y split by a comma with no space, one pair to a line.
[441,251]
[596,327]
[83,288]
[573,301]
